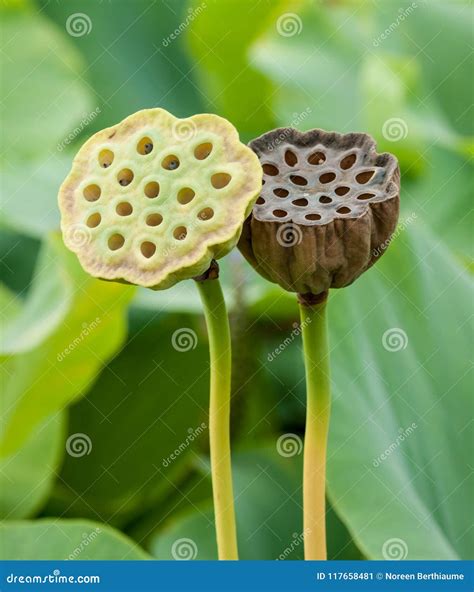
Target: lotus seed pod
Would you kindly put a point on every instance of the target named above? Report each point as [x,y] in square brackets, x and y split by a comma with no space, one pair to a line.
[328,207]
[153,200]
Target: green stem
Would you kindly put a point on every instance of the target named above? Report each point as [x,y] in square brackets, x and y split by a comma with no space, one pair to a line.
[316,357]
[219,416]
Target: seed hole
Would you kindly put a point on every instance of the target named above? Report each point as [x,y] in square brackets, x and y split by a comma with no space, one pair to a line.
[206,214]
[260,200]
[145,145]
[124,209]
[125,177]
[220,180]
[152,189]
[148,249]
[116,242]
[313,217]
[300,202]
[347,161]
[290,158]
[106,158]
[279,213]
[327,177]
[154,219]
[180,232]
[365,196]
[316,158]
[92,192]
[185,195]
[342,190]
[170,162]
[343,210]
[94,220]
[325,199]
[203,150]
[364,177]
[280,192]
[298,180]
[270,169]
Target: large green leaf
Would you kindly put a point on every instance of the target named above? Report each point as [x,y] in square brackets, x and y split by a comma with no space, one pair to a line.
[86,325]
[400,439]
[65,539]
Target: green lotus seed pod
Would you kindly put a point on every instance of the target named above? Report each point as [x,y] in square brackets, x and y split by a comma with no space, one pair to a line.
[153,200]
[327,210]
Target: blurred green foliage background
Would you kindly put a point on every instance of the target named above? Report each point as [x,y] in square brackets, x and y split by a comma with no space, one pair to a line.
[93,360]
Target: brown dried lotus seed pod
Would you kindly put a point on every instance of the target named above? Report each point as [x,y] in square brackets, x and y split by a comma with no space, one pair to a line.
[328,205]
[154,199]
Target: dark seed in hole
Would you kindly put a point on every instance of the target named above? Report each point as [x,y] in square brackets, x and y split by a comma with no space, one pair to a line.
[180,232]
[206,214]
[124,209]
[343,210]
[92,192]
[347,161]
[316,158]
[170,162]
[327,177]
[220,180]
[298,180]
[365,196]
[280,192]
[342,190]
[313,217]
[300,202]
[203,150]
[290,158]
[260,200]
[115,242]
[152,189]
[94,220]
[106,157]
[125,177]
[145,146]
[279,213]
[270,169]
[154,219]
[148,249]
[325,199]
[364,177]
[185,195]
